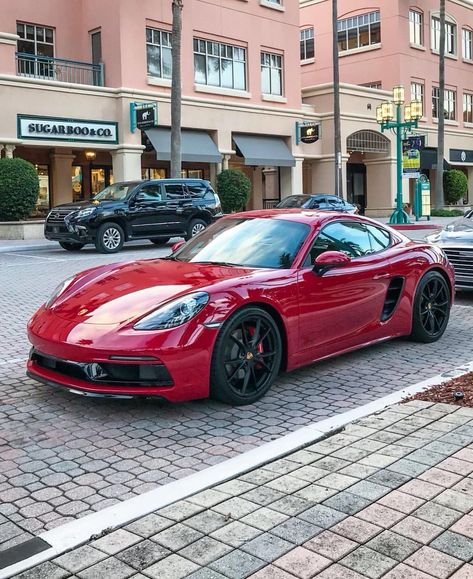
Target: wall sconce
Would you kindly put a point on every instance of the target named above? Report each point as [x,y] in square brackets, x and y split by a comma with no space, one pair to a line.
[90,156]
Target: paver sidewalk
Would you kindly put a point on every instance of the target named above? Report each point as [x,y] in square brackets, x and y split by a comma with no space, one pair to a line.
[390,496]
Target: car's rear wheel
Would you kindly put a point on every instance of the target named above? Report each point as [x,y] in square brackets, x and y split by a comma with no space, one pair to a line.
[431,309]
[195,227]
[159,240]
[110,238]
[246,358]
[71,246]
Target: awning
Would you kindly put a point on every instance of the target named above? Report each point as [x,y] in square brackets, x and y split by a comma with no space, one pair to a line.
[264,150]
[428,159]
[196,146]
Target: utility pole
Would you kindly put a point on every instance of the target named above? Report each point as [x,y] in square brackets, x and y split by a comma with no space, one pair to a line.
[439,197]
[176,90]
[336,104]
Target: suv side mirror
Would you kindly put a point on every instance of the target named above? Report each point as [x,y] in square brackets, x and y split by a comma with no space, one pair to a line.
[329,259]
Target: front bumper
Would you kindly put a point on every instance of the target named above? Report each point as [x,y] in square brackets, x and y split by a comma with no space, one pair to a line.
[67,233]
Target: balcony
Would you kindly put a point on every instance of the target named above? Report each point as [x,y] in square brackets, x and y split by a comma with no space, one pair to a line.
[59,69]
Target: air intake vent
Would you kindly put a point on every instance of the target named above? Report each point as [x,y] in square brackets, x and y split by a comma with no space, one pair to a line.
[392,297]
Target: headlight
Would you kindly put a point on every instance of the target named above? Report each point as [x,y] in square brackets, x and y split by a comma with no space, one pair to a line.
[433,238]
[85,212]
[175,313]
[58,291]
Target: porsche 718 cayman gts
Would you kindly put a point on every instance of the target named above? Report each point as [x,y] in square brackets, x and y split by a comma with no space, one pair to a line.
[254,294]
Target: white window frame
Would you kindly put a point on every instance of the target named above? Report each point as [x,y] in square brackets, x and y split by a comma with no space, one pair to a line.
[417,92]
[467,107]
[370,19]
[162,39]
[306,35]
[467,43]
[220,51]
[450,103]
[450,36]
[35,41]
[416,27]
[272,62]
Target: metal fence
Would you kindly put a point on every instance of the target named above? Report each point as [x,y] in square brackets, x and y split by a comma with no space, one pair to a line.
[48,68]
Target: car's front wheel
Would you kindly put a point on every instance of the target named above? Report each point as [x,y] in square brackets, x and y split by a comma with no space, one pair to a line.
[71,246]
[431,309]
[110,238]
[246,358]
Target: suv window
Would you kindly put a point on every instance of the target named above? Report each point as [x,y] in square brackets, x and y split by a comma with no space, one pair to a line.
[318,201]
[350,238]
[150,193]
[196,189]
[175,191]
[335,202]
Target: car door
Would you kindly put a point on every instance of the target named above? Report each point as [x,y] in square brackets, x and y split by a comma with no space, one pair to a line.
[147,211]
[179,206]
[342,307]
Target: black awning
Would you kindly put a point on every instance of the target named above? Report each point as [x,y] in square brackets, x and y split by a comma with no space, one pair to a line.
[264,150]
[428,159]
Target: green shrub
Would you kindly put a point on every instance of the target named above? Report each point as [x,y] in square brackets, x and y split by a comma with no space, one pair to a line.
[455,186]
[446,213]
[19,188]
[233,188]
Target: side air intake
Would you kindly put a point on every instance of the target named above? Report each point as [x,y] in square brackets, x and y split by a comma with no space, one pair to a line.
[392,297]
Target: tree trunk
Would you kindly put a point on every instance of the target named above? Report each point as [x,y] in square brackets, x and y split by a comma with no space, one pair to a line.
[336,104]
[176,90]
[439,197]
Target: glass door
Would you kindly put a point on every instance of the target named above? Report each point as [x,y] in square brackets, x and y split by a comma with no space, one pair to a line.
[100,177]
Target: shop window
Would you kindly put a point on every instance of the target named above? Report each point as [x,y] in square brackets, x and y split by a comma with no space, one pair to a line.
[192,174]
[37,41]
[271,74]
[217,64]
[43,203]
[152,173]
[158,53]
[359,31]
[77,186]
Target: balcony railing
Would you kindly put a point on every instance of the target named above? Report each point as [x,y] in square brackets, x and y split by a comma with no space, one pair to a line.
[48,68]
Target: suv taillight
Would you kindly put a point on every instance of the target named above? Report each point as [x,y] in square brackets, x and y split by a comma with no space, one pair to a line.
[217,201]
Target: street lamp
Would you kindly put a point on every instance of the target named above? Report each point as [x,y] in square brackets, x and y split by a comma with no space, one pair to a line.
[401,128]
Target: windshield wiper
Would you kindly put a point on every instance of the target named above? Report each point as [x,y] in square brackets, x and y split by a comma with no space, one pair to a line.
[218,263]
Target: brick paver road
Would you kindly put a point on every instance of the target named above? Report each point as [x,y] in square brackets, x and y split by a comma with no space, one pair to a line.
[64,456]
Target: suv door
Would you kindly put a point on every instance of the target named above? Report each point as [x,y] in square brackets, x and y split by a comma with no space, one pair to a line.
[179,206]
[343,307]
[147,212]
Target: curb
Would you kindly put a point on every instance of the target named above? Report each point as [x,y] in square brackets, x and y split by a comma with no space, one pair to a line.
[55,542]
[414,226]
[10,248]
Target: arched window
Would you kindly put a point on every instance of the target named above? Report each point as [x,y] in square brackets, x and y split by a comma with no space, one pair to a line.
[368,142]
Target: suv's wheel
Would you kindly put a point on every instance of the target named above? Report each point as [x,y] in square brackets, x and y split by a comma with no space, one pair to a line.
[159,240]
[195,227]
[246,358]
[71,246]
[110,238]
[431,308]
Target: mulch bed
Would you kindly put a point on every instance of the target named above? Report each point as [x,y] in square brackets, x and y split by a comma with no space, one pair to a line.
[449,392]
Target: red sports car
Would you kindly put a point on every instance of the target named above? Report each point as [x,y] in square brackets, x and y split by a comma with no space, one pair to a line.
[254,294]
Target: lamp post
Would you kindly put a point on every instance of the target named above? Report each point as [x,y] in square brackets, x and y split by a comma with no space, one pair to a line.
[386,118]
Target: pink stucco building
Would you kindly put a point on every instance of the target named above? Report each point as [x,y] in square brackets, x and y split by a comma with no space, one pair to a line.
[70,70]
[384,44]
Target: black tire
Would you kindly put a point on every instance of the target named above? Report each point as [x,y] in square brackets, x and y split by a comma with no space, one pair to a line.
[71,246]
[159,240]
[246,358]
[110,238]
[431,309]
[195,227]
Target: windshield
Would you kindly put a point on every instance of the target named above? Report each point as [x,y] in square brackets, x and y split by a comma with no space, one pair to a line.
[115,192]
[293,201]
[271,243]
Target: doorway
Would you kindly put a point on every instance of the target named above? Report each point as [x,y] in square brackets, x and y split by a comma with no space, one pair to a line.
[356,185]
[100,177]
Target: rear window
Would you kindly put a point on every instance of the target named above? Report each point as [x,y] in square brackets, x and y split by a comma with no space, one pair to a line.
[197,189]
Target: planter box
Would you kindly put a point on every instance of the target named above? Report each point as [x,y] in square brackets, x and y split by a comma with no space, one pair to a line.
[22,229]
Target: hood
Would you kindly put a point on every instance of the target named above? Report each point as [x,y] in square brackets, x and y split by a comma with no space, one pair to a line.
[461,230]
[82,204]
[118,293]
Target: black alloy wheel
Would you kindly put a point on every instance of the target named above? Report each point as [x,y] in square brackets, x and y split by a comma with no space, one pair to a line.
[431,309]
[110,238]
[246,358]
[71,246]
[159,240]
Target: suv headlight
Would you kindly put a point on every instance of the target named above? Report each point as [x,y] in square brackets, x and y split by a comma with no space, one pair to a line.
[174,313]
[61,288]
[85,212]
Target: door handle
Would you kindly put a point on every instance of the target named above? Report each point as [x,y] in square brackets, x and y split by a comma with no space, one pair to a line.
[383,275]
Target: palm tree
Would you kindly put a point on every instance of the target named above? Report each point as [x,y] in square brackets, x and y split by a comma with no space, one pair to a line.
[176,91]
[336,103]
[439,198]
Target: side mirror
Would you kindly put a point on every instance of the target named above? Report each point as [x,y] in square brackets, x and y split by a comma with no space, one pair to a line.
[328,260]
[177,246]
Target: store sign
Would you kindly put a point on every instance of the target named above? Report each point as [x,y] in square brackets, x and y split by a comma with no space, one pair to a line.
[309,132]
[62,129]
[143,116]
[411,148]
[461,156]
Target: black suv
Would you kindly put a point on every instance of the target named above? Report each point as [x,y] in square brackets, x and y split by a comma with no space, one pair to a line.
[156,210]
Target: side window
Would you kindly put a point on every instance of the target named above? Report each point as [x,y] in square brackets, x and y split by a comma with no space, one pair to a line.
[380,238]
[350,238]
[174,191]
[196,189]
[334,202]
[318,202]
[150,193]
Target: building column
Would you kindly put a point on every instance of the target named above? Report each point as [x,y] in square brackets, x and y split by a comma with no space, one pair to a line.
[61,176]
[126,163]
[292,179]
[225,161]
[9,151]
[7,52]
